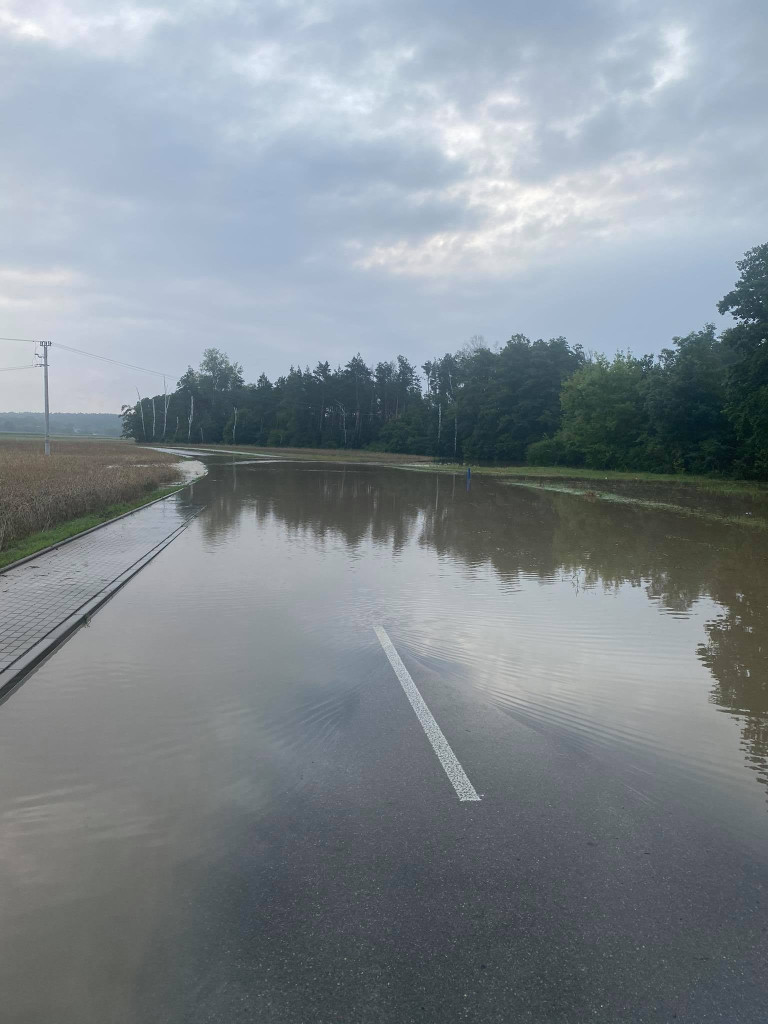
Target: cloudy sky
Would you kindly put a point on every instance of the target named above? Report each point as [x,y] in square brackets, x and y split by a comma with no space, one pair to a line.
[300,179]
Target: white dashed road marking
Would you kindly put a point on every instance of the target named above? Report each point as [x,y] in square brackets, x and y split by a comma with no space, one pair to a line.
[464,788]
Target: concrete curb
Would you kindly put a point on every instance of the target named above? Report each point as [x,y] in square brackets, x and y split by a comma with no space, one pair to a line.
[12,677]
[83,533]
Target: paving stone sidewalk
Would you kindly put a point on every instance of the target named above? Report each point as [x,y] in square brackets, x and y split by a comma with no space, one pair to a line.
[37,596]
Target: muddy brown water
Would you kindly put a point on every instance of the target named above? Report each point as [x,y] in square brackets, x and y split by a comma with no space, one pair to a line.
[144,769]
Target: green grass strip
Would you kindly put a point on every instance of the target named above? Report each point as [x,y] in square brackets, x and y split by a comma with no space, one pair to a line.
[703,484]
[37,541]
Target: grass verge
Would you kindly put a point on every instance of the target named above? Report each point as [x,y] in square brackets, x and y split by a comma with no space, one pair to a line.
[45,538]
[593,478]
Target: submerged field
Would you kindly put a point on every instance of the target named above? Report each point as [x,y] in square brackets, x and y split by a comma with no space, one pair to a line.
[324,454]
[81,478]
[735,500]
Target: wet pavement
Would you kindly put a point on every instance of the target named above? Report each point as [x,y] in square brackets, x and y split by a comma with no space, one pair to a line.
[42,592]
[221,802]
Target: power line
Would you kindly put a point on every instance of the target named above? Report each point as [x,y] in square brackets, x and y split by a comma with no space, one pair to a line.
[93,355]
[28,366]
[118,362]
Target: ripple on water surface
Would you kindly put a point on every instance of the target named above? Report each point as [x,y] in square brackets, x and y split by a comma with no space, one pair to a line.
[618,632]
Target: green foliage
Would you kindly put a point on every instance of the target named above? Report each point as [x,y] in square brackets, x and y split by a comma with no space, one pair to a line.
[747,341]
[513,396]
[700,407]
[605,416]
[407,434]
[686,404]
[553,451]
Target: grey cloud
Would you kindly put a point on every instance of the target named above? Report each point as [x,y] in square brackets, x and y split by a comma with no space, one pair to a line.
[299,180]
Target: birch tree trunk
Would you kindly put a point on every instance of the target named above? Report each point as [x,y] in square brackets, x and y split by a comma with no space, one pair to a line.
[141,410]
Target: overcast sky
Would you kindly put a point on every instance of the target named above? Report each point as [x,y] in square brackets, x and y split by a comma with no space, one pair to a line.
[294,180]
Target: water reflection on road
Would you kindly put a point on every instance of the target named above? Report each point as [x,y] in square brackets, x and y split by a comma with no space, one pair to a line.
[217,803]
[598,561]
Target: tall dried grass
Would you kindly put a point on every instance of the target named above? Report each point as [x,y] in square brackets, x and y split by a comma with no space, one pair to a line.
[80,477]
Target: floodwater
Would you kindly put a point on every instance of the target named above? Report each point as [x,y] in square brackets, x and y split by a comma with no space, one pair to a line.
[218,804]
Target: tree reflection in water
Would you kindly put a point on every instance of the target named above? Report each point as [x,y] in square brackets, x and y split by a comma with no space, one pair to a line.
[519,531]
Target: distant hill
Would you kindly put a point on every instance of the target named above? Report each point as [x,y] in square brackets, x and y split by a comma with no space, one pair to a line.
[62,423]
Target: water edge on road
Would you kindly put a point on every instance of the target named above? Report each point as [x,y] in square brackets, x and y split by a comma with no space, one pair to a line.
[218,803]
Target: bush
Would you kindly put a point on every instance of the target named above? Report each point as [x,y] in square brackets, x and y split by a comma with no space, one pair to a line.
[553,451]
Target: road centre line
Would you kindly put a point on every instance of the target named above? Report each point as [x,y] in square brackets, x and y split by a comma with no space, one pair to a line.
[464,788]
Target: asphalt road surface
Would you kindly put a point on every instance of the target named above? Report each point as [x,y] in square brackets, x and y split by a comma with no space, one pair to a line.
[363,746]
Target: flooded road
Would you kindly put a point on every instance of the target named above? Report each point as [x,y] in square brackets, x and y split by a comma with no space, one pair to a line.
[220,803]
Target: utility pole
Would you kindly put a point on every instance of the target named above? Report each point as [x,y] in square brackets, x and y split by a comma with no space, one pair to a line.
[46,345]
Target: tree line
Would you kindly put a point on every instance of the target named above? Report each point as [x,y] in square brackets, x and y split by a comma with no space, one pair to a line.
[701,406]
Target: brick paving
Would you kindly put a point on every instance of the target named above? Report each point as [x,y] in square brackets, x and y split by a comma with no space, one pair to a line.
[40,594]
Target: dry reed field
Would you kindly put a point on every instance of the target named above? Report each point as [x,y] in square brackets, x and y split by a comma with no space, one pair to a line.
[80,477]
